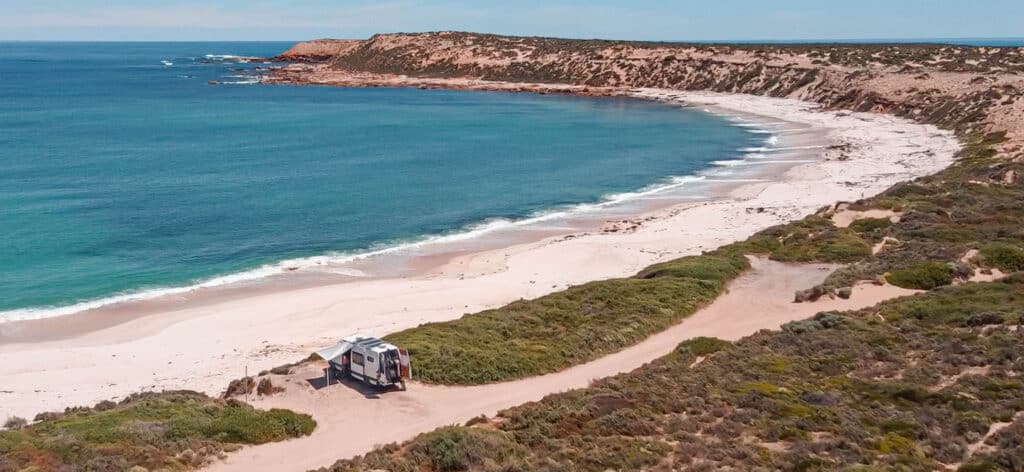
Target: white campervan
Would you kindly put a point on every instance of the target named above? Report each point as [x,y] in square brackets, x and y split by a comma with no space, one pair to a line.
[367,359]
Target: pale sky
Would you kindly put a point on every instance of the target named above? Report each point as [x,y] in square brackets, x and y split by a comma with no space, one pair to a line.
[637,19]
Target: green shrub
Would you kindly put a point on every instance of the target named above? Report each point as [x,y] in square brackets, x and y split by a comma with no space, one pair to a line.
[986,465]
[820,321]
[455,448]
[707,267]
[954,306]
[922,276]
[869,225]
[893,443]
[888,203]
[1005,257]
[702,346]
[148,430]
[813,239]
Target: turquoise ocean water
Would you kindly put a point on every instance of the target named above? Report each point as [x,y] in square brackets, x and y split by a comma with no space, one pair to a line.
[123,172]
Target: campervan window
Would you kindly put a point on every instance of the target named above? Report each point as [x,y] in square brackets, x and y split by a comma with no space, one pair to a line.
[369,359]
[357,358]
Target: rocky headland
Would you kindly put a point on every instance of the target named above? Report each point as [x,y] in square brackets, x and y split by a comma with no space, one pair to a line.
[967,89]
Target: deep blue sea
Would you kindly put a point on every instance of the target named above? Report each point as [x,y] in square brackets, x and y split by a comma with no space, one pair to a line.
[122,171]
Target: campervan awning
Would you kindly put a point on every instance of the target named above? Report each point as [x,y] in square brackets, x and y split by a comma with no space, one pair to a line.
[333,352]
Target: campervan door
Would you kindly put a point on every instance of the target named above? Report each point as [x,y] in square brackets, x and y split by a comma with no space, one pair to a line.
[366,364]
[358,362]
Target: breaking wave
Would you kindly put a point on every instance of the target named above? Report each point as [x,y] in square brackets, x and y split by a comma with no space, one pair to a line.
[332,262]
[329,262]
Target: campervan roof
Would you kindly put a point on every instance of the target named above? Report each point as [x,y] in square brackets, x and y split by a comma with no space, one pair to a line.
[373,344]
[363,342]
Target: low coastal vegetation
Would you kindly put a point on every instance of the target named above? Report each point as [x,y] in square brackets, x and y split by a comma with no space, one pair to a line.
[147,431]
[922,276]
[1005,257]
[912,384]
[967,209]
[813,239]
[777,69]
[966,217]
[550,333]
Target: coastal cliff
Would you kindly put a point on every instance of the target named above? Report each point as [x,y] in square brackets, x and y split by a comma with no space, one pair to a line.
[967,89]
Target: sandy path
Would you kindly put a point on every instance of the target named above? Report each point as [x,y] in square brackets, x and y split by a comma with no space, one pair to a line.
[350,424]
[203,347]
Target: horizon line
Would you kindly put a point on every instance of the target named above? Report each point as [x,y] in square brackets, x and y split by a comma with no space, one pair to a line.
[910,40]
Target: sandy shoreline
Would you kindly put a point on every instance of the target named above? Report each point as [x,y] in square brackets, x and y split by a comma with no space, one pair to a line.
[202,347]
[419,255]
[436,257]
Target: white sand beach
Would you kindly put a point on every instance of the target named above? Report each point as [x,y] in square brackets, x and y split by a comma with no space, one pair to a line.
[202,346]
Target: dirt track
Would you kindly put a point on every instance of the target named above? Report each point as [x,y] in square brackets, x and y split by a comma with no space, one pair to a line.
[351,422]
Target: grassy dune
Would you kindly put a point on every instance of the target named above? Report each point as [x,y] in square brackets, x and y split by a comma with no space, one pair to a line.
[570,327]
[158,431]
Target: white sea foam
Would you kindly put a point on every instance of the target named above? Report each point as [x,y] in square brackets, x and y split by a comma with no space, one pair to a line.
[348,272]
[249,81]
[330,262]
[780,149]
[744,162]
[752,181]
[729,163]
[758,125]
